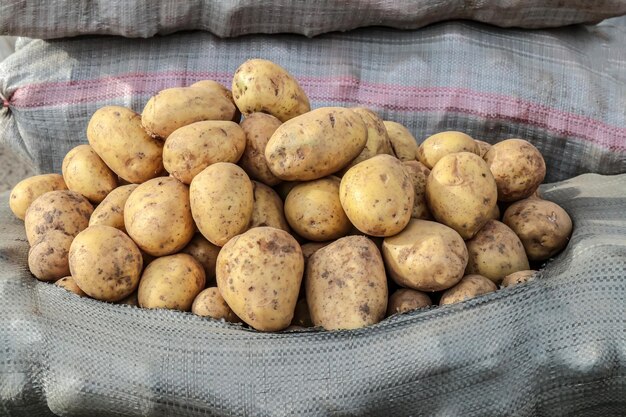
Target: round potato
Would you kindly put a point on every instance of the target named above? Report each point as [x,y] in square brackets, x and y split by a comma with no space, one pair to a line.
[260,85]
[377,138]
[302,316]
[425,256]
[105,263]
[441,144]
[405,300]
[210,303]
[219,89]
[470,286]
[68,284]
[543,227]
[222,202]
[206,253]
[314,211]
[346,286]
[377,196]
[316,144]
[47,258]
[110,212]
[483,147]
[27,191]
[267,209]
[259,128]
[402,142]
[259,275]
[418,174]
[517,278]
[87,174]
[190,149]
[461,192]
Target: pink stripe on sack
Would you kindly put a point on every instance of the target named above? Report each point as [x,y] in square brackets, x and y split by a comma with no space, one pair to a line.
[340,91]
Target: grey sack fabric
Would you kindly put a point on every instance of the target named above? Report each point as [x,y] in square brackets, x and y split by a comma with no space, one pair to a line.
[554,347]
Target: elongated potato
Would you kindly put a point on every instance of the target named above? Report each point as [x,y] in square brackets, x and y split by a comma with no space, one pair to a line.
[268,208]
[27,191]
[437,146]
[405,300]
[87,174]
[116,134]
[219,89]
[48,257]
[316,144]
[377,138]
[259,128]
[206,253]
[402,141]
[210,303]
[68,284]
[418,174]
[110,212]
[470,286]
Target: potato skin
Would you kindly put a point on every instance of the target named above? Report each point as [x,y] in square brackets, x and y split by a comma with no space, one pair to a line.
[171,282]
[219,89]
[116,134]
[110,212]
[316,144]
[267,209]
[68,284]
[48,257]
[105,263]
[210,303]
[259,128]
[483,147]
[157,216]
[470,286]
[346,286]
[437,146]
[206,254]
[418,174]
[259,274]
[517,278]
[377,195]
[27,191]
[403,143]
[377,139]
[87,174]
[260,85]
[405,300]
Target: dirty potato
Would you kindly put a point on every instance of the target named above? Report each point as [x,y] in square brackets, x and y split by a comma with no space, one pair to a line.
[377,138]
[110,212]
[27,191]
[441,144]
[418,174]
[206,253]
[405,300]
[517,278]
[402,142]
[68,284]
[87,174]
[210,303]
[268,208]
[48,257]
[470,286]
[258,128]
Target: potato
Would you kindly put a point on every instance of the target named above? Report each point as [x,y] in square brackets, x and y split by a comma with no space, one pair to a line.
[210,303]
[495,252]
[405,300]
[171,282]
[259,274]
[69,284]
[87,174]
[461,192]
[402,142]
[110,212]
[377,138]
[470,286]
[418,174]
[157,216]
[437,146]
[131,300]
[222,202]
[517,167]
[219,89]
[176,107]
[259,128]
[316,144]
[310,248]
[105,263]
[267,209]
[260,85]
[206,254]
[116,134]
[495,213]
[483,147]
[314,211]
[63,210]
[190,149]
[426,256]
[346,286]
[543,227]
[302,316]
[517,278]
[377,196]
[47,258]
[27,191]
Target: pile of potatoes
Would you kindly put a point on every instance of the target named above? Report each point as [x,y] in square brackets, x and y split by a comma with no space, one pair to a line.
[289,218]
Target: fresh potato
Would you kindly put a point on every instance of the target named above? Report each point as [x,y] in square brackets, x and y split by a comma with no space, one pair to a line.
[157,216]
[69,284]
[483,147]
[377,138]
[27,191]
[426,256]
[346,286]
[461,192]
[517,167]
[219,89]
[543,227]
[517,278]
[418,174]
[105,263]
[47,258]
[316,144]
[441,144]
[87,174]
[191,148]
[259,274]
[116,134]
[405,300]
[310,248]
[210,303]
[302,316]
[110,212]
[402,142]
[222,202]
[314,211]
[259,128]
[495,252]
[377,196]
[260,85]
[206,254]
[268,208]
[63,210]
[470,286]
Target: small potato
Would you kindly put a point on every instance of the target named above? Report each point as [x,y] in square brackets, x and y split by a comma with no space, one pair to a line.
[461,192]
[259,128]
[171,282]
[259,274]
[483,146]
[219,89]
[377,138]
[517,278]
[260,85]
[116,134]
[377,196]
[517,167]
[495,252]
[222,202]
[268,208]
[316,144]
[110,212]
[63,210]
[310,248]
[314,211]
[87,174]
[69,284]
[190,149]
[402,142]
[418,174]
[158,217]
[206,253]
[302,316]
[470,286]
[27,191]
[426,256]
[543,227]
[441,144]
[405,300]
[210,303]
[105,263]
[346,286]
[47,258]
